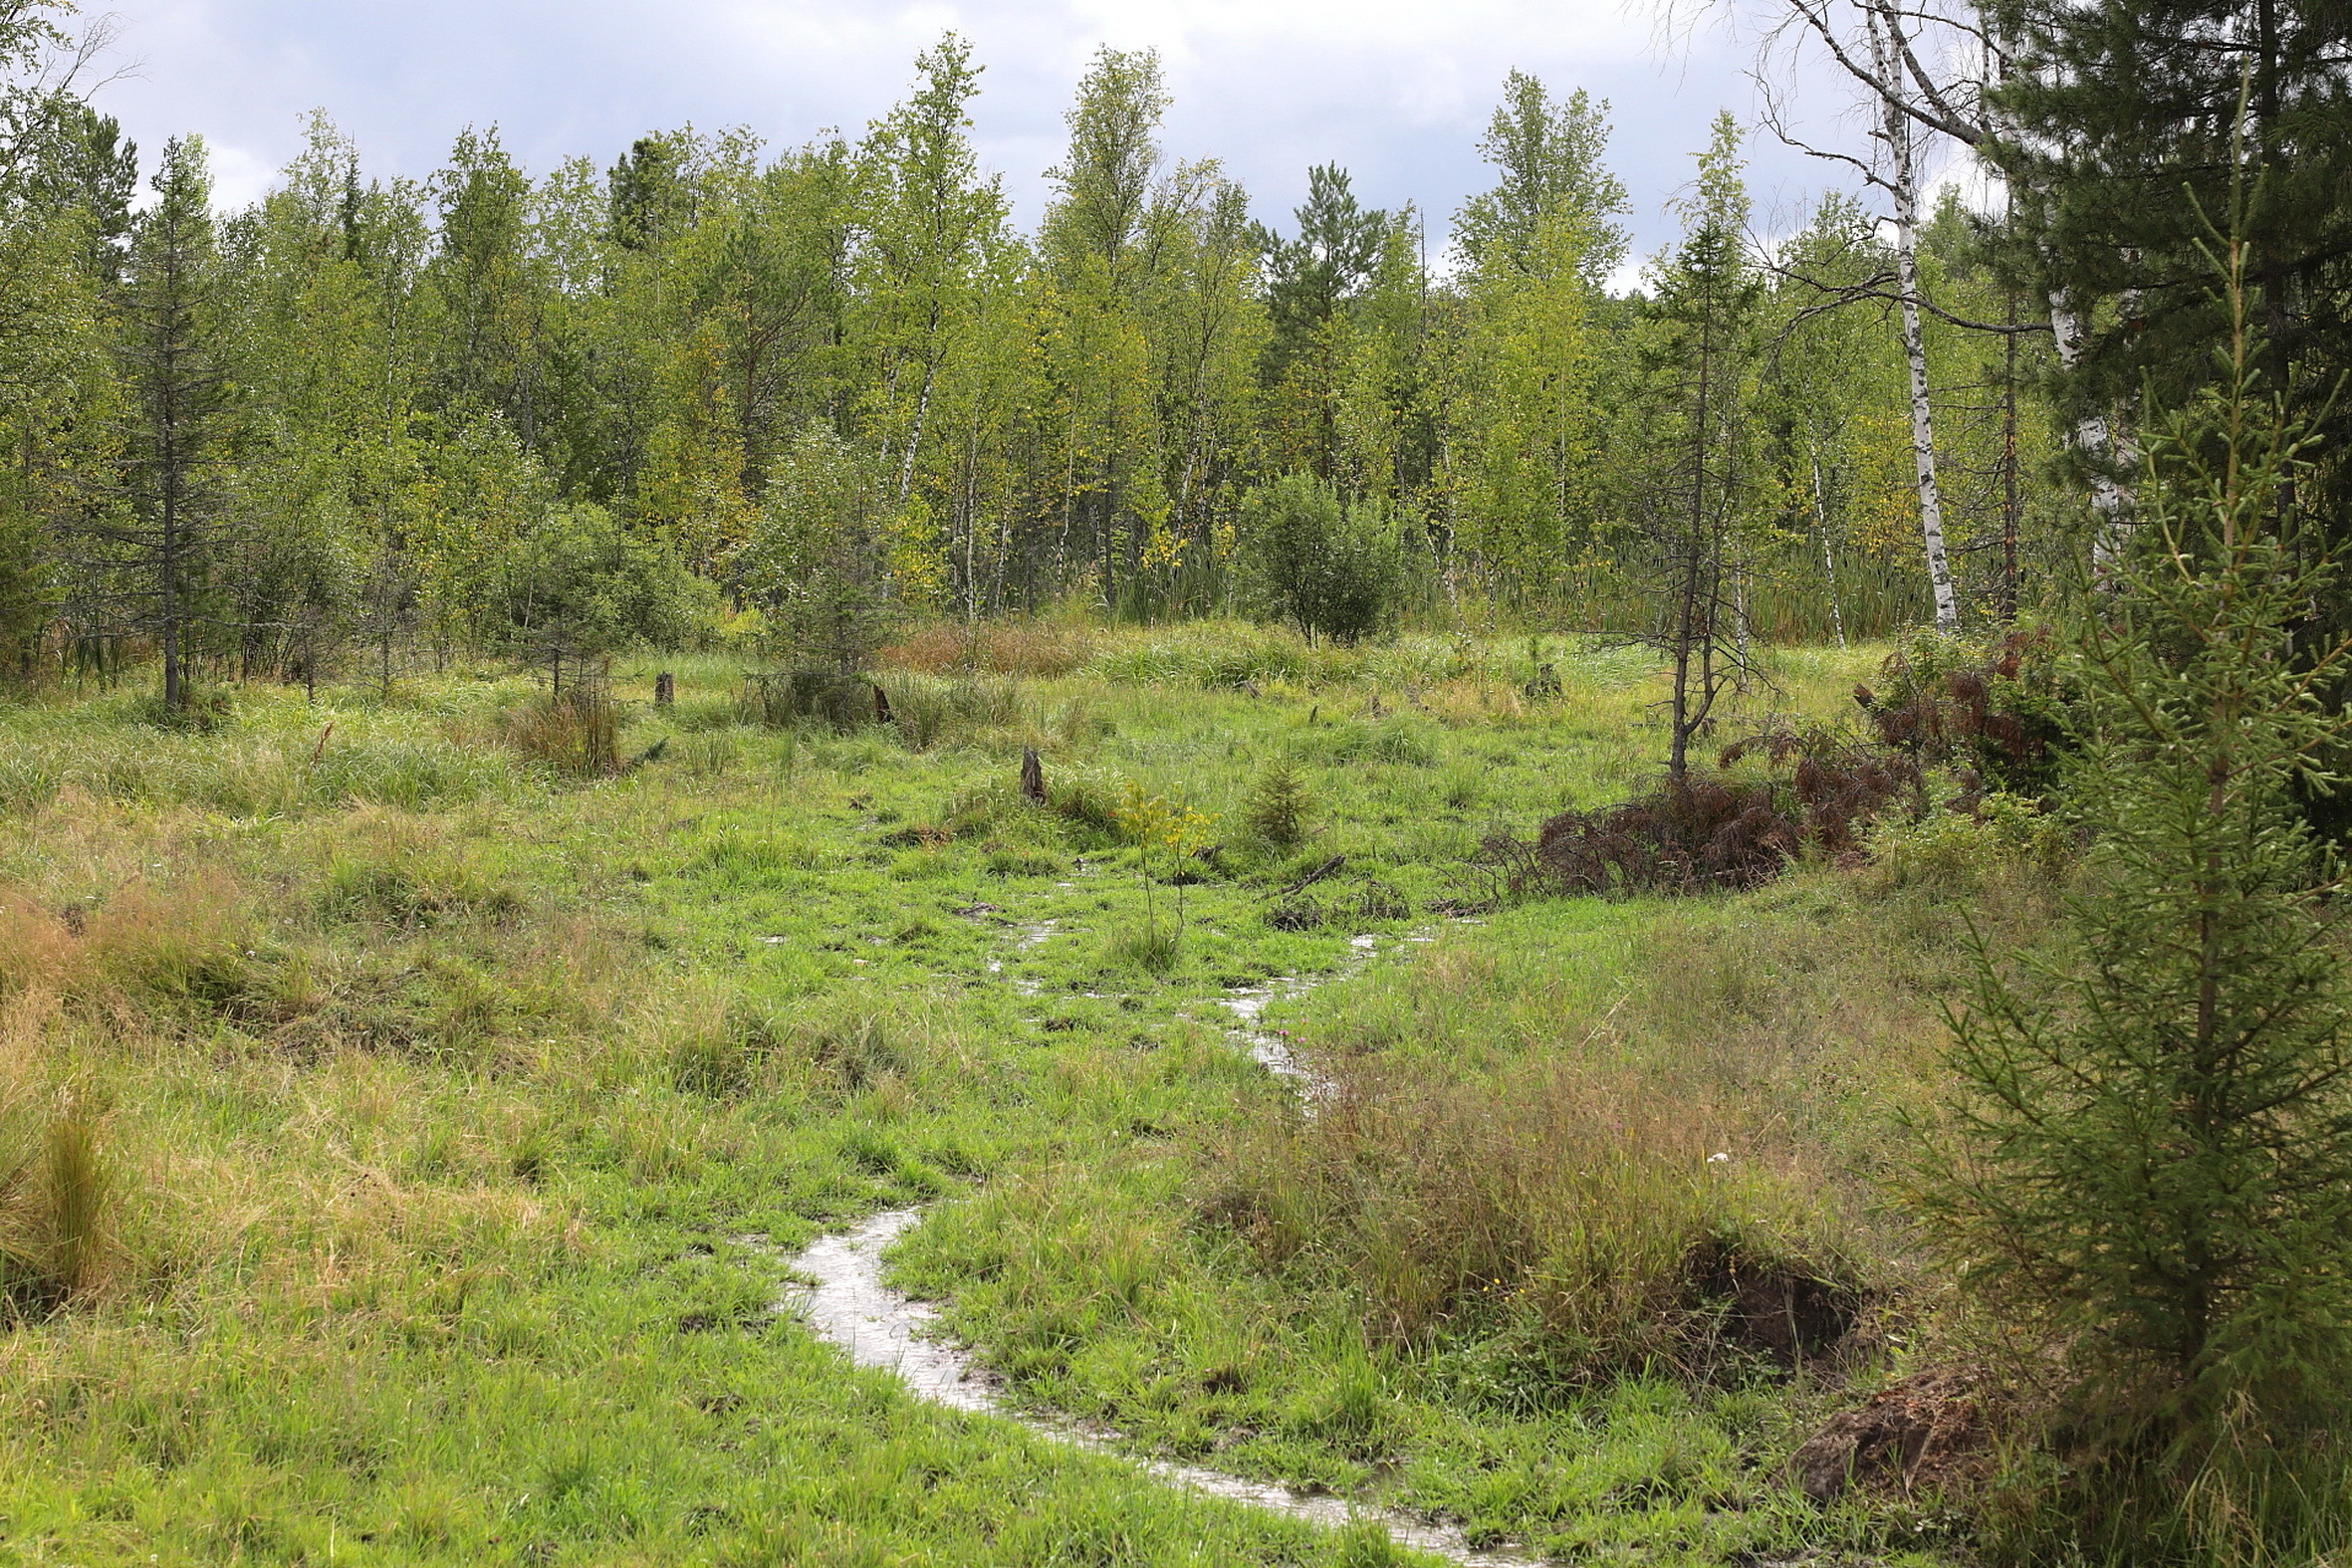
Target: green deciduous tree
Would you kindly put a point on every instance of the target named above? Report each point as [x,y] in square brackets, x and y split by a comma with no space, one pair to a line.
[820,562]
[1332,568]
[583,586]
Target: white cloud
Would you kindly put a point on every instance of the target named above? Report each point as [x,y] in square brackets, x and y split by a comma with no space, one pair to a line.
[1397,90]
[239,177]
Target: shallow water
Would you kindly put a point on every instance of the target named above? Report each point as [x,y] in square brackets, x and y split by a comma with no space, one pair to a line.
[850,1306]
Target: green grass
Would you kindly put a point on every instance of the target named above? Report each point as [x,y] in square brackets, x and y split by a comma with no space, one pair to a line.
[438,1095]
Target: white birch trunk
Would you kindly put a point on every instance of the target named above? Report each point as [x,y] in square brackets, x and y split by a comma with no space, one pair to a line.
[1837,614]
[1903,183]
[2095,439]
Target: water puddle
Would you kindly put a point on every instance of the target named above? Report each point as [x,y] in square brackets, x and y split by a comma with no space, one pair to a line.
[1270,1049]
[1034,935]
[850,1306]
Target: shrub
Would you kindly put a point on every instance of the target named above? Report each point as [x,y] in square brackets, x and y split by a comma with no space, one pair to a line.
[1994,708]
[1686,836]
[1958,852]
[583,585]
[1334,570]
[1278,804]
[820,561]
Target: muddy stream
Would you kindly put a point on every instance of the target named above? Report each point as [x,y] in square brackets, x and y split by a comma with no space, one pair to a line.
[850,1306]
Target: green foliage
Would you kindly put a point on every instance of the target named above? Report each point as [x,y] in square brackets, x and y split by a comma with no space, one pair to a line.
[1279,804]
[1550,158]
[819,559]
[1334,570]
[2150,1155]
[582,586]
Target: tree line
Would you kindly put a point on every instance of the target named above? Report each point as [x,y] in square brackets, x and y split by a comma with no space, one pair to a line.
[818,387]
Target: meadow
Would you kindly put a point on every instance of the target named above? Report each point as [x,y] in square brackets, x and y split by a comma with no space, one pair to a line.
[403,1130]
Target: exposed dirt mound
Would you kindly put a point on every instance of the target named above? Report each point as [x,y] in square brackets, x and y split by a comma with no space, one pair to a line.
[1791,1317]
[1926,1433]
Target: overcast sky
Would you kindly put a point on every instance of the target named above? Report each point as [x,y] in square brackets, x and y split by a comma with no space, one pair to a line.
[1395,90]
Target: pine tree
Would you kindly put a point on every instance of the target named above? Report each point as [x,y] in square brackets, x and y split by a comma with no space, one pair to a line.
[1694,476]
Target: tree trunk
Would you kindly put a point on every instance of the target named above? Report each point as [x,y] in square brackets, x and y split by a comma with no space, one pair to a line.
[1838,615]
[2094,439]
[1904,182]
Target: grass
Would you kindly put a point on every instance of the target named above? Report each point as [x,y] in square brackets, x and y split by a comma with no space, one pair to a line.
[441,1115]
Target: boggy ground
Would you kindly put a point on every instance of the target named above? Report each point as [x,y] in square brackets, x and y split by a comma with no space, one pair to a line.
[450,1115]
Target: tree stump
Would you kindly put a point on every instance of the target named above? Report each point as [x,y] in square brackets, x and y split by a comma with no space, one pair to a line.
[665,689]
[1033,776]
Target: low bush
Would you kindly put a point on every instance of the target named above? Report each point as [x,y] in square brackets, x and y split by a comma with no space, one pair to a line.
[1961,854]
[1686,836]
[1278,806]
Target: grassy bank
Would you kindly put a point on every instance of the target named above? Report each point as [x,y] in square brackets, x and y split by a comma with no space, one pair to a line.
[447,1114]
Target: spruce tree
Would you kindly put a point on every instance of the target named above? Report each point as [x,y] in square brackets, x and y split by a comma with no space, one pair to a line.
[2119,127]
[2151,1153]
[169,522]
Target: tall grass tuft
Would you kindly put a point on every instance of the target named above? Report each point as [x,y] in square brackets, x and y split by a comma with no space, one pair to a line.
[577,733]
[1034,649]
[1617,1227]
[55,1204]
[175,949]
[931,713]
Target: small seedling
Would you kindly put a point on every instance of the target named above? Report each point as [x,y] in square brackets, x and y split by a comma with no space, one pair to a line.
[1278,804]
